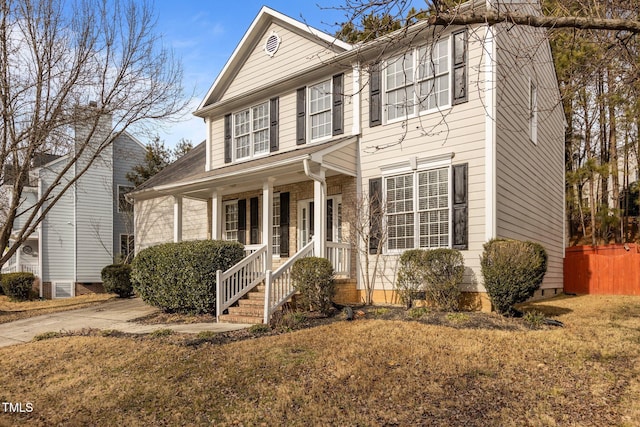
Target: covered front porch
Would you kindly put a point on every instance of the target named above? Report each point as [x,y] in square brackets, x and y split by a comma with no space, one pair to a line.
[281,207]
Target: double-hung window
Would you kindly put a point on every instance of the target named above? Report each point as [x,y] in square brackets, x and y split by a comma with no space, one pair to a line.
[418,209]
[231,221]
[320,110]
[275,224]
[251,131]
[418,81]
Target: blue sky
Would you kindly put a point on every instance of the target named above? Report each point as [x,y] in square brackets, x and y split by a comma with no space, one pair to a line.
[204,35]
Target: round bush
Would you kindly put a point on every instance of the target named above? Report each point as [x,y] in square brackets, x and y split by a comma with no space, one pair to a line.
[443,276]
[116,279]
[512,272]
[411,276]
[181,277]
[18,286]
[313,278]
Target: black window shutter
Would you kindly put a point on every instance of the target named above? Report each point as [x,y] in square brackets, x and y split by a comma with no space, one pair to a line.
[375,214]
[460,67]
[338,104]
[375,97]
[301,117]
[273,130]
[329,220]
[227,138]
[284,224]
[460,207]
[242,221]
[254,238]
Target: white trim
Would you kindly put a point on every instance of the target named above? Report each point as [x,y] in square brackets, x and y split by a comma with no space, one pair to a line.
[40,254]
[414,163]
[72,288]
[177,219]
[208,148]
[532,110]
[252,155]
[223,219]
[267,220]
[355,101]
[490,74]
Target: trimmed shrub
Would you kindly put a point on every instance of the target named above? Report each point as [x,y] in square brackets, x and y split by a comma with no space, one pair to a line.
[313,278]
[411,276]
[512,272]
[18,286]
[116,279]
[444,271]
[181,277]
[1,288]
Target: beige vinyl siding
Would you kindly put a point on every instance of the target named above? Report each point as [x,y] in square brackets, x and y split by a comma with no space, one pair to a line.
[153,222]
[530,176]
[344,158]
[459,130]
[296,53]
[194,219]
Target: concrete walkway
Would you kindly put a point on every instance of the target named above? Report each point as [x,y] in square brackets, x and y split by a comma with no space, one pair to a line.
[114,315]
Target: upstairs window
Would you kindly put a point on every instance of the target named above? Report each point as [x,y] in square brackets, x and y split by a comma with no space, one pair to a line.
[320,110]
[251,131]
[123,204]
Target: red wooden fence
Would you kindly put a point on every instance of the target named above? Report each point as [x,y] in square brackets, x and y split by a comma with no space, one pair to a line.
[603,270]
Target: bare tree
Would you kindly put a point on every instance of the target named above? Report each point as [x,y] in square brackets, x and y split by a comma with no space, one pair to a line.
[56,58]
[368,236]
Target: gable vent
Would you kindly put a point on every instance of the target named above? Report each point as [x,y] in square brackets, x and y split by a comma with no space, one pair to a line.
[272,44]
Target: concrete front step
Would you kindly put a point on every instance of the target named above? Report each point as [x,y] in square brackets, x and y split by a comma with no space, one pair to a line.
[233,318]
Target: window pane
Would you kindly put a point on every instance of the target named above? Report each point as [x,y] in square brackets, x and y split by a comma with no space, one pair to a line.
[276,225]
[433,204]
[320,109]
[231,221]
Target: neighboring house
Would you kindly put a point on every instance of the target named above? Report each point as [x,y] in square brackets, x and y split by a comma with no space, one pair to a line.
[458,130]
[89,227]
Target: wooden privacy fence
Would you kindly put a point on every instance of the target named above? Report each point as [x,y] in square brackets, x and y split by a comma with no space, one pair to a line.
[603,270]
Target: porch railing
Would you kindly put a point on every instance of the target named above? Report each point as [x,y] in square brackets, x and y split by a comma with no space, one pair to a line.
[340,256]
[278,285]
[231,285]
[25,268]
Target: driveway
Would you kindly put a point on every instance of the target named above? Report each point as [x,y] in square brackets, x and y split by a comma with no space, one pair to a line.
[116,315]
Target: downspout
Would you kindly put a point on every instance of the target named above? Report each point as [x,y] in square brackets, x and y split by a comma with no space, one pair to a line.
[313,176]
[40,245]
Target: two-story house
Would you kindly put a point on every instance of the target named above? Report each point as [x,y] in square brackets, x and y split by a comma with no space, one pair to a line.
[90,226]
[455,133]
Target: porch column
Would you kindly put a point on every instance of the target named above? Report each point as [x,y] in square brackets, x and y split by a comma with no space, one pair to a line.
[216,215]
[18,260]
[320,213]
[177,218]
[267,219]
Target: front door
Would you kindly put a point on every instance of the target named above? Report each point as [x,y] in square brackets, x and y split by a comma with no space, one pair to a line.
[333,220]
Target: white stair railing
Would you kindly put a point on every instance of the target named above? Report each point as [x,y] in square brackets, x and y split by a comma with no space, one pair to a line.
[340,256]
[278,285]
[231,285]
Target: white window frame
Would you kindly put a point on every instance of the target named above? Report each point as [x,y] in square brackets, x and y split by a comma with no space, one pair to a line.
[415,170]
[225,223]
[414,80]
[125,199]
[328,110]
[533,111]
[252,132]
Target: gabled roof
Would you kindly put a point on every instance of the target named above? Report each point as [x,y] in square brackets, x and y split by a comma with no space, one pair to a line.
[265,17]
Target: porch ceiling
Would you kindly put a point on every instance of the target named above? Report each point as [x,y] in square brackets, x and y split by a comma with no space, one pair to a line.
[282,168]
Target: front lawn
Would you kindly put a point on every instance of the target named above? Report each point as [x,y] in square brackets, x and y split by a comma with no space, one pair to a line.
[365,372]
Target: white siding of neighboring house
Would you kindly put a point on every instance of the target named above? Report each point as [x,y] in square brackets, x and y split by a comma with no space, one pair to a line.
[29,198]
[459,130]
[127,153]
[58,235]
[295,54]
[153,222]
[94,210]
[529,176]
